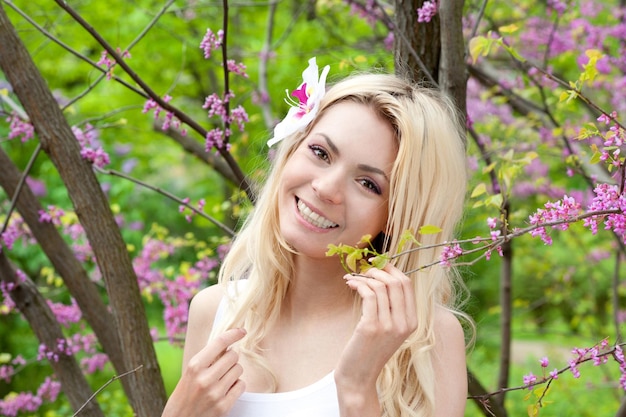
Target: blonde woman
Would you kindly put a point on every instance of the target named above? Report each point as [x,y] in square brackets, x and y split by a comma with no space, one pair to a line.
[287,332]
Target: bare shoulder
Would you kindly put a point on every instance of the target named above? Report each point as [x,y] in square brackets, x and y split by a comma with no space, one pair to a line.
[205,302]
[202,312]
[447,325]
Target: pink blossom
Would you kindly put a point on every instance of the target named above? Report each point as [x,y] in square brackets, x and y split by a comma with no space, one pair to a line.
[529,380]
[211,42]
[427,11]
[19,128]
[450,252]
[236,68]
[94,363]
[544,362]
[49,390]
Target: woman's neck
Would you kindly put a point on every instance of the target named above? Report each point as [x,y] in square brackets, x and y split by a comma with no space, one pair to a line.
[317,288]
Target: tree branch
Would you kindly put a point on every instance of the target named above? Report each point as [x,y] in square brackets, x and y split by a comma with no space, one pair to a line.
[95,215]
[41,319]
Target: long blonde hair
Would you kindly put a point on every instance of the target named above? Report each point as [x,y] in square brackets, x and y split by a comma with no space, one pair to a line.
[428,181]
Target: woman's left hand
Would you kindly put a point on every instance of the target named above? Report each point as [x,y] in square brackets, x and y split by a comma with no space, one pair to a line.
[388,317]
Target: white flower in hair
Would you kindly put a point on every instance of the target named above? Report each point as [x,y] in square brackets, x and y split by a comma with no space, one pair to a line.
[309,95]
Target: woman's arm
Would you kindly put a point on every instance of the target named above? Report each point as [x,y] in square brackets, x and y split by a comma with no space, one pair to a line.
[449,366]
[388,317]
[210,384]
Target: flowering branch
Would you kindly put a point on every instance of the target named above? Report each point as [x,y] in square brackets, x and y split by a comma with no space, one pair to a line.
[183,202]
[161,102]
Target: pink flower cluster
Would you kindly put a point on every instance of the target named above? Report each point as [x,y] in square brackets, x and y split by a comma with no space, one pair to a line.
[109,63]
[28,402]
[597,354]
[91,150]
[170,119]
[236,68]
[608,198]
[19,128]
[369,10]
[556,214]
[16,229]
[183,207]
[217,138]
[211,42]
[174,293]
[449,253]
[52,215]
[427,11]
[54,353]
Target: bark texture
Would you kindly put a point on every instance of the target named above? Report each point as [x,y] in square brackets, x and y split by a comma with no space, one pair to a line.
[66,264]
[45,326]
[148,395]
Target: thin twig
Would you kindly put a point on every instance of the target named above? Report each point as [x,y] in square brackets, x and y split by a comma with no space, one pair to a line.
[135,41]
[109,382]
[19,187]
[169,195]
[69,48]
[182,116]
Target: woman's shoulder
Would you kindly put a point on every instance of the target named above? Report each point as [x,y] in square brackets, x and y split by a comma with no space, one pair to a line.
[202,312]
[206,301]
[447,325]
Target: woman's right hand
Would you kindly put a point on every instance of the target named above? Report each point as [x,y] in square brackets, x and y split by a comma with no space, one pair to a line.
[210,384]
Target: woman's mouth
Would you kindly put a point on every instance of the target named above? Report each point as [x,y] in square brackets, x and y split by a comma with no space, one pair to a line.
[313,218]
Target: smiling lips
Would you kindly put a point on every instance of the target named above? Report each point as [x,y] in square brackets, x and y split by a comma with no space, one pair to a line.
[314,218]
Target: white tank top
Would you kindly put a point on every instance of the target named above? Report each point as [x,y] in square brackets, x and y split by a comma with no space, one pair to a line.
[316,400]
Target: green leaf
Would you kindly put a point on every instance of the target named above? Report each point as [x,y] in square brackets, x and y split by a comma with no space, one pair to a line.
[478,45]
[429,229]
[407,236]
[480,189]
[352,258]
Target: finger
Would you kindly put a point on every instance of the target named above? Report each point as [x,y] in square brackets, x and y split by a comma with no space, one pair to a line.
[222,365]
[375,298]
[408,291]
[229,378]
[395,291]
[216,347]
[401,296]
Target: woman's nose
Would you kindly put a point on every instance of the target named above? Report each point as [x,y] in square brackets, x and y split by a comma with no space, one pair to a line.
[328,186]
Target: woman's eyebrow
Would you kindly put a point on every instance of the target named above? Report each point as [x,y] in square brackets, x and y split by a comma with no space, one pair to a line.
[369,168]
[330,143]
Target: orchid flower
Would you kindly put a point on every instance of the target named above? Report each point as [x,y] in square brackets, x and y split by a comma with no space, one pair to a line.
[309,95]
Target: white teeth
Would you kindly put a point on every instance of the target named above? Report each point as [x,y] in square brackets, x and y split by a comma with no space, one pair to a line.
[314,218]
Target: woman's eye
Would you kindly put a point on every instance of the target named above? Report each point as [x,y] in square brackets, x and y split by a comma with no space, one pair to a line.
[319,152]
[371,186]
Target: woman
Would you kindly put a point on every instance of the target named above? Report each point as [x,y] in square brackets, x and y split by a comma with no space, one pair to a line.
[287,332]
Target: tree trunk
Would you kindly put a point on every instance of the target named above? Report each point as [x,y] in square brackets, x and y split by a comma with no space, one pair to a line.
[482,399]
[432,52]
[148,396]
[452,68]
[66,264]
[417,46]
[41,319]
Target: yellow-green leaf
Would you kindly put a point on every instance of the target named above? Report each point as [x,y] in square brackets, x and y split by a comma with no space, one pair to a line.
[512,28]
[478,45]
[429,229]
[480,189]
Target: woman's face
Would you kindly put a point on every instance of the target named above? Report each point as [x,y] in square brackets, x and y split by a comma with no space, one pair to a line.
[335,187]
